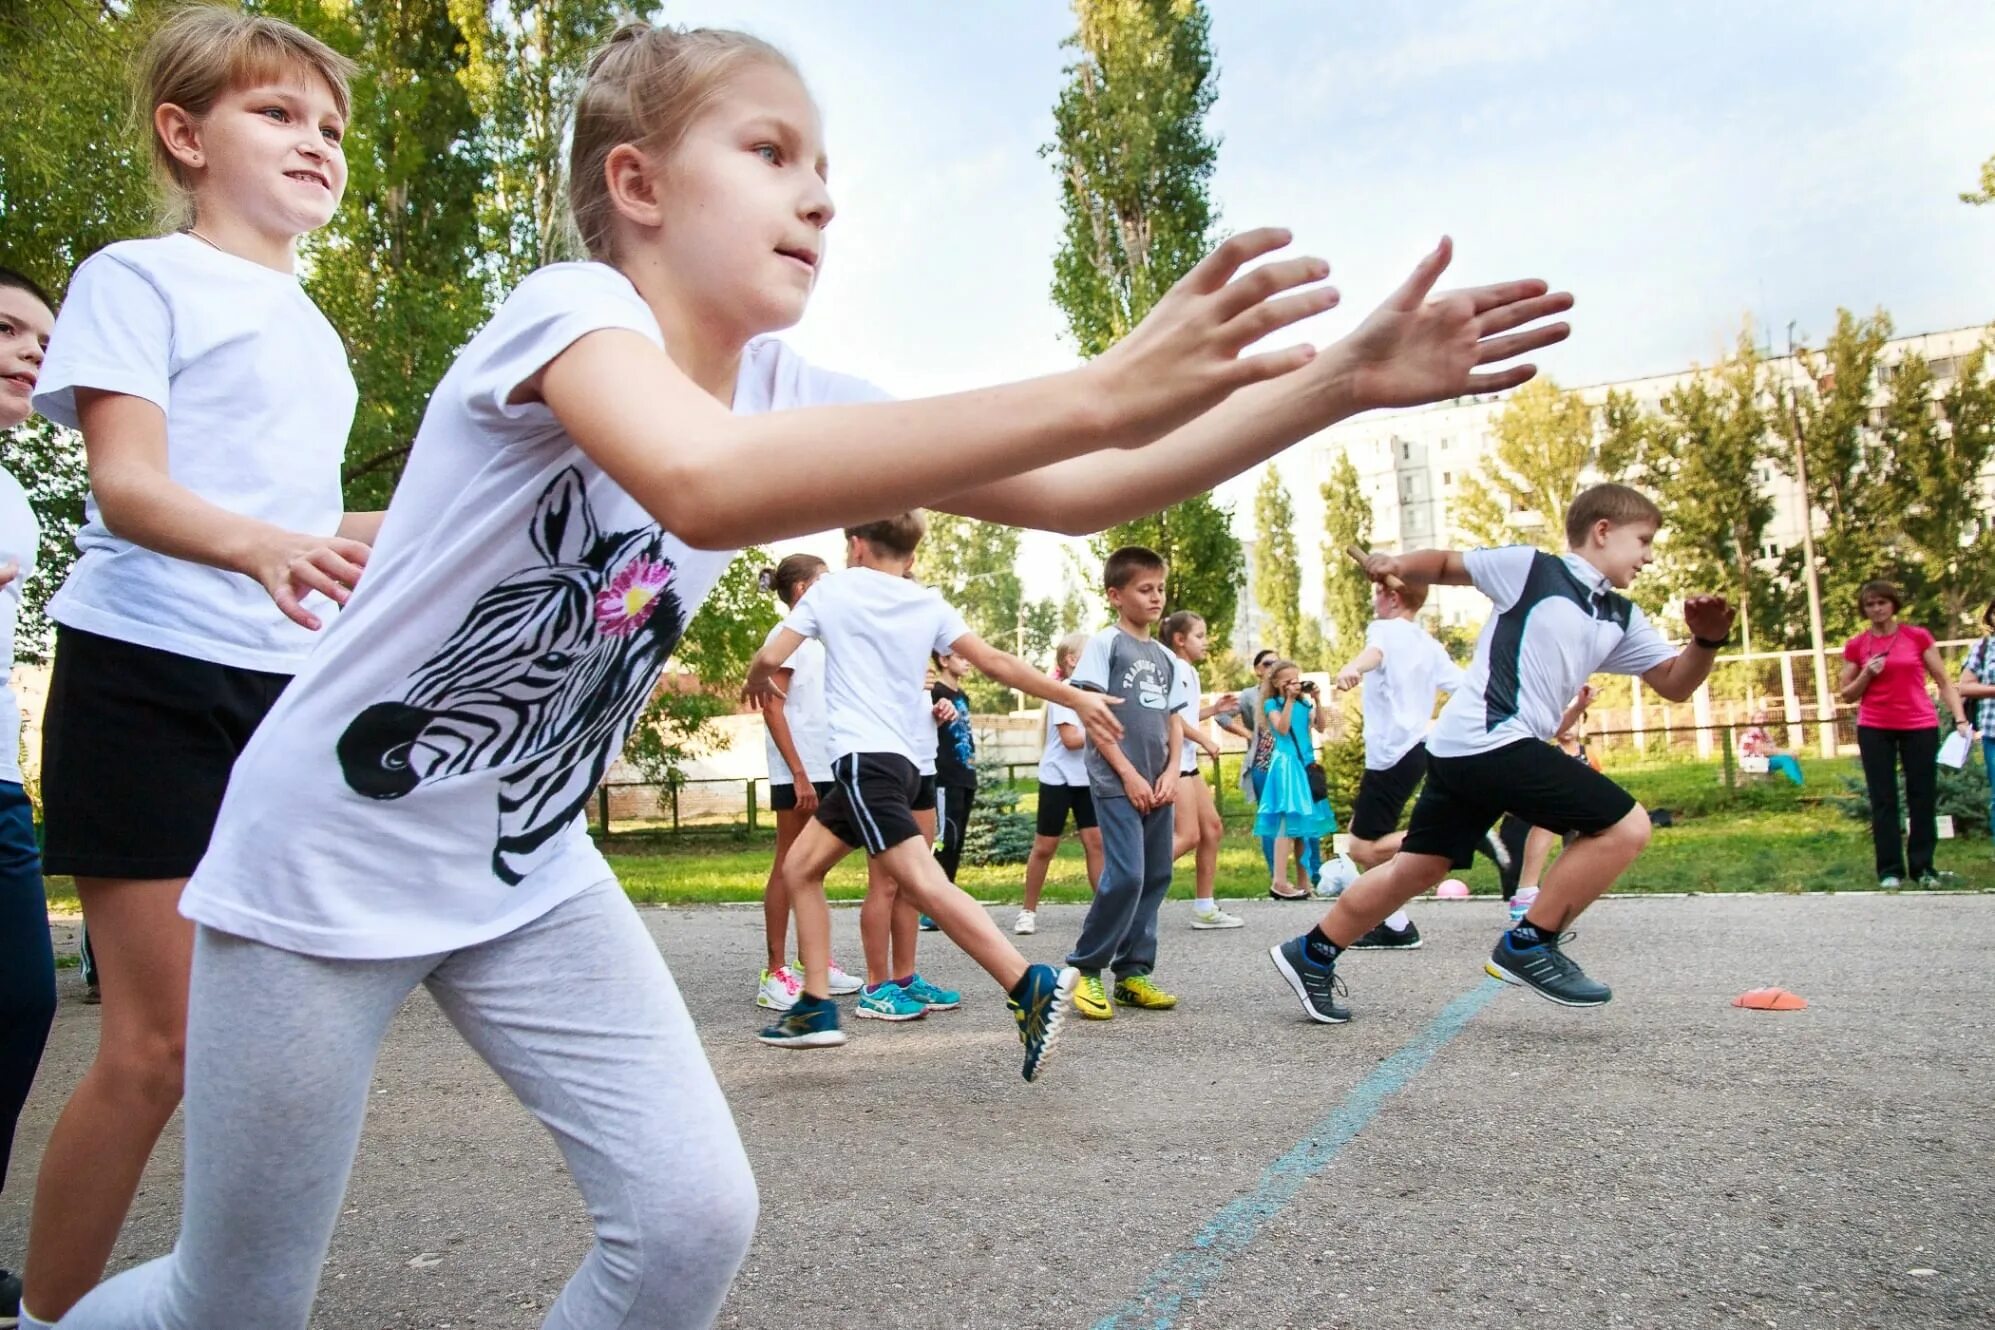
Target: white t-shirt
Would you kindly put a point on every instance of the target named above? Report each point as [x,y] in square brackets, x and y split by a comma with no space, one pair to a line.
[1399,694]
[1557,622]
[925,750]
[1059,764]
[877,631]
[258,401]
[421,787]
[803,709]
[1184,700]
[20,536]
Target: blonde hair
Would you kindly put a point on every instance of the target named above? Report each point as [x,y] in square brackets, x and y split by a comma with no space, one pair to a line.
[1069,649]
[204,51]
[645,87]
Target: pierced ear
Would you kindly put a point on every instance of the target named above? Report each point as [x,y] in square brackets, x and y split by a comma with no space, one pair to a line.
[633,183]
[181,133]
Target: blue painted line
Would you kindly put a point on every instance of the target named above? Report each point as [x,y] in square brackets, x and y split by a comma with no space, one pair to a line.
[1190,1272]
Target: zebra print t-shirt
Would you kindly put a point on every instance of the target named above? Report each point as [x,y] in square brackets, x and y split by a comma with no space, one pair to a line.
[422,783]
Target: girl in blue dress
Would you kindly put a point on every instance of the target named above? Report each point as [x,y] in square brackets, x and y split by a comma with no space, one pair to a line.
[1289,811]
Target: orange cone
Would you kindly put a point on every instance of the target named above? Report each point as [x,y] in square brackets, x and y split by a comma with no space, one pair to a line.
[1770,999]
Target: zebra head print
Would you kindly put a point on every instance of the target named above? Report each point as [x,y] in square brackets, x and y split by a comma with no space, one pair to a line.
[541,682]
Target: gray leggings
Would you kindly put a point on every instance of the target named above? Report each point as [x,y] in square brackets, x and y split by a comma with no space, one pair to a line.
[578,1015]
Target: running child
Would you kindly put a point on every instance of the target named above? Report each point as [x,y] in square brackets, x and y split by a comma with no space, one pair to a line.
[214,400]
[1063,793]
[878,629]
[796,744]
[1295,804]
[1135,780]
[1195,817]
[1557,620]
[411,812]
[955,760]
[27,964]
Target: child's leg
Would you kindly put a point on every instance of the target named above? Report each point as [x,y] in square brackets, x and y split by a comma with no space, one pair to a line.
[906,934]
[1372,853]
[1120,892]
[1184,823]
[579,1015]
[776,896]
[815,854]
[952,816]
[876,922]
[27,978]
[1587,868]
[280,1058]
[98,1150]
[1537,850]
[1091,851]
[1045,847]
[925,888]
[1138,952]
[1210,832]
[1280,855]
[1258,779]
[1370,900]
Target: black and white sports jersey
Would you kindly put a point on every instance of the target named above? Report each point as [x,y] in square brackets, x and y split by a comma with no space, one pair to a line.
[1557,622]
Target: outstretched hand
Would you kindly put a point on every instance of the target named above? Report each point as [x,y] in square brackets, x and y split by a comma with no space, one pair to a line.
[1412,350]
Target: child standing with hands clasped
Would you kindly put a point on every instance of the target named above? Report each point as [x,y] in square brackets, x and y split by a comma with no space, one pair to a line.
[1135,781]
[411,812]
[1556,621]
[1294,806]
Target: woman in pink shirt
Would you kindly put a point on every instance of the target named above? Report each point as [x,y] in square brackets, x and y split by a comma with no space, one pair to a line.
[1887,665]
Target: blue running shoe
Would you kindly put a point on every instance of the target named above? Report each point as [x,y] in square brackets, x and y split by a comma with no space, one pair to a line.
[1039,1005]
[889,1002]
[929,925]
[1547,971]
[1315,983]
[931,997]
[811,1023]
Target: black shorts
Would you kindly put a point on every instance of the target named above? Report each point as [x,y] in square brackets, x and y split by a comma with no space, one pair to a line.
[1465,796]
[872,801]
[1056,801]
[924,794]
[1383,795]
[783,798]
[137,744]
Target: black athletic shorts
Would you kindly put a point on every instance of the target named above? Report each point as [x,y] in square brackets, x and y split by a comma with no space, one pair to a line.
[1056,801]
[783,798]
[137,744]
[924,794]
[1383,795]
[1465,796]
[872,801]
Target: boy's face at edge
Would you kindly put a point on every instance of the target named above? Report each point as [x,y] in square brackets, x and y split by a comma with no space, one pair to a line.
[1140,600]
[1620,550]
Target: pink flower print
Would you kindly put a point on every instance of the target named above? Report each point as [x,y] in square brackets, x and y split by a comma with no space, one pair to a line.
[624,605]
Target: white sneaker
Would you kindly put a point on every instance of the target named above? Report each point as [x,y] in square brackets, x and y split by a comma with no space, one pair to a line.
[1027,922]
[1336,874]
[779,989]
[843,984]
[1215,918]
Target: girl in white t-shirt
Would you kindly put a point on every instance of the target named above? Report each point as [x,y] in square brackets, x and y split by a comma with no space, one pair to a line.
[214,400]
[1063,791]
[797,748]
[411,812]
[1197,828]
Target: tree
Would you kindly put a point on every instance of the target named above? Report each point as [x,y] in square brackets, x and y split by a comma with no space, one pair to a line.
[1985,194]
[1347,521]
[400,269]
[1701,460]
[1545,445]
[1135,163]
[1042,630]
[997,833]
[1277,565]
[718,646]
[975,566]
[1939,444]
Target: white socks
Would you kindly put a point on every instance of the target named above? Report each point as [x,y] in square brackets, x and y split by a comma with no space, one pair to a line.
[1398,920]
[32,1322]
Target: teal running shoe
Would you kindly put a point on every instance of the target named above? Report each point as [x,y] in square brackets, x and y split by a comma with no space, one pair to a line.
[811,1023]
[935,999]
[889,1002]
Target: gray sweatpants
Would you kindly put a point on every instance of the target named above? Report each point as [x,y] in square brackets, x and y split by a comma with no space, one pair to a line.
[576,1012]
[1120,933]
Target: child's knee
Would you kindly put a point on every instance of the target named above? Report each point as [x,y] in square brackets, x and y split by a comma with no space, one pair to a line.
[1633,830]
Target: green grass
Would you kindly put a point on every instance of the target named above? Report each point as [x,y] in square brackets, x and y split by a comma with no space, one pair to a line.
[1764,836]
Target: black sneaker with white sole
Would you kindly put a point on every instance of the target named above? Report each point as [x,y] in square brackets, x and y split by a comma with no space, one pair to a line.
[1387,938]
[1546,970]
[1314,982]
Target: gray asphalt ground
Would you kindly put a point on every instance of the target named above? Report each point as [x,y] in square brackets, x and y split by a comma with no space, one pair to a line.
[1667,1161]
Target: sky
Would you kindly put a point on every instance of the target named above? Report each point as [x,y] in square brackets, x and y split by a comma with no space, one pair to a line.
[1677,167]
